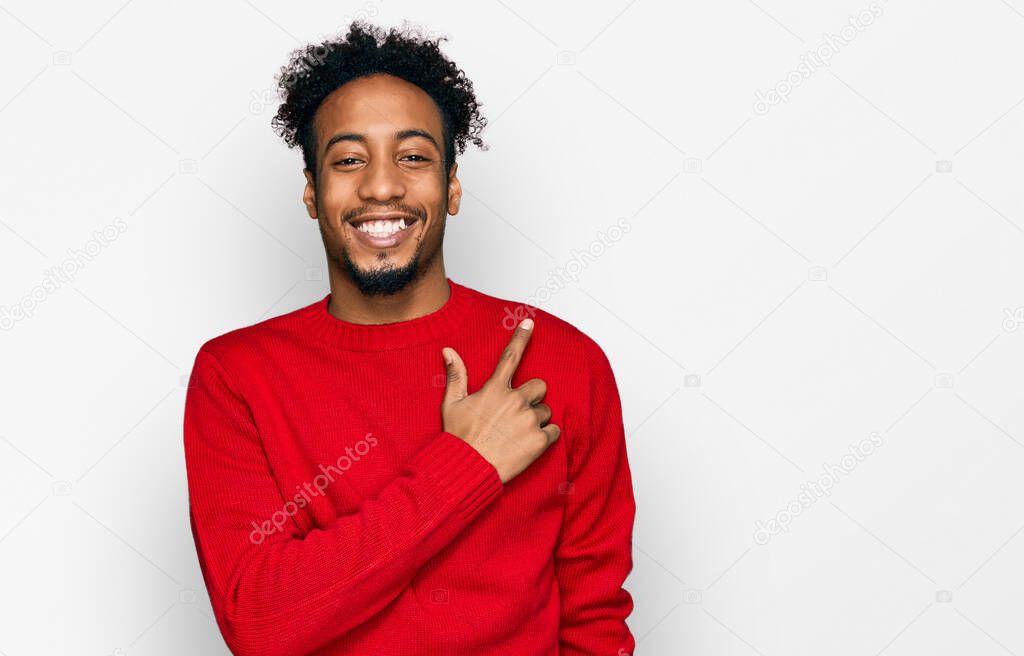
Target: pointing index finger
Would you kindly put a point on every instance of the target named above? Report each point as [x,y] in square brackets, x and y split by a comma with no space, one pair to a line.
[513,353]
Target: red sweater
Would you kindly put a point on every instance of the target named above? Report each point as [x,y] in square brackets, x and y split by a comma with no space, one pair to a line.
[332,514]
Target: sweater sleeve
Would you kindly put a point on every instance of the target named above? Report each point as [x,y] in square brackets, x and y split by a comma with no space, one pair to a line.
[594,552]
[293,592]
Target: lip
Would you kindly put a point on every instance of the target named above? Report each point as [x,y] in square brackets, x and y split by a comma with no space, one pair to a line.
[390,241]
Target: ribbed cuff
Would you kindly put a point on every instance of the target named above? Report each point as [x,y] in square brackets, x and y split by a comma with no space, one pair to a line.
[463,476]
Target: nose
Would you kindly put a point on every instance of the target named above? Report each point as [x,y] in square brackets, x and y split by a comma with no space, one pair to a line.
[381,181]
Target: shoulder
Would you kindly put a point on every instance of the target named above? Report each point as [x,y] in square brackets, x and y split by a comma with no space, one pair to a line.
[558,338]
[256,341]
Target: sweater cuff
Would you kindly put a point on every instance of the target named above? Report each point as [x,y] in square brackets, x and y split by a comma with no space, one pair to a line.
[461,474]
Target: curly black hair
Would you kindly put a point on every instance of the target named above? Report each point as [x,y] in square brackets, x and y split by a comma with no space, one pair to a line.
[316,70]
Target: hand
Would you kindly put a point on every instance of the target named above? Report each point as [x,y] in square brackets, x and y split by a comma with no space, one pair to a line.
[509,427]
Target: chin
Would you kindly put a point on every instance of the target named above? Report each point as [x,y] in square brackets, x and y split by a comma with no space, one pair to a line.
[377,280]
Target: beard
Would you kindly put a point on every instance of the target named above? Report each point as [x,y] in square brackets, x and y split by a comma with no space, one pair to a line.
[389,279]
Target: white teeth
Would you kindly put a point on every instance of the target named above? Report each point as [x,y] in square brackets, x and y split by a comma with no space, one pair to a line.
[382,228]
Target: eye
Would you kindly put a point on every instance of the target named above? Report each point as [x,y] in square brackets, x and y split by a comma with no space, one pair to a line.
[346,161]
[420,158]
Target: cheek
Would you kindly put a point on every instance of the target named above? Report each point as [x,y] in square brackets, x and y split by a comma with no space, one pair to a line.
[334,202]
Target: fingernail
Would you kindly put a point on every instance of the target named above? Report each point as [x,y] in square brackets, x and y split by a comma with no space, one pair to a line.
[526,324]
[447,356]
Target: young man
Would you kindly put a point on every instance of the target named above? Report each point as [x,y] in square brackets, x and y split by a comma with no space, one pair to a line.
[389,470]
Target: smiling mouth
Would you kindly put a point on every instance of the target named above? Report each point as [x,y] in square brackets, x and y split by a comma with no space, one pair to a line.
[383,230]
[383,227]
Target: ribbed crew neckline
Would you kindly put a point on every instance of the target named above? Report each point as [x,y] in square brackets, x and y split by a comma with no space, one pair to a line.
[389,336]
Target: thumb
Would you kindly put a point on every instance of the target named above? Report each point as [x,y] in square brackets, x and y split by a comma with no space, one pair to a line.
[455,387]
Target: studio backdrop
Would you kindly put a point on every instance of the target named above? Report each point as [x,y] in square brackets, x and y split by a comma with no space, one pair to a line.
[796,229]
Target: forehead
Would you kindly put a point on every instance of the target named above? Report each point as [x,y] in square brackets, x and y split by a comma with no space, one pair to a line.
[378,106]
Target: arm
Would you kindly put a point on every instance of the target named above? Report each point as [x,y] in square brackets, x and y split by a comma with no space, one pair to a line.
[594,551]
[292,593]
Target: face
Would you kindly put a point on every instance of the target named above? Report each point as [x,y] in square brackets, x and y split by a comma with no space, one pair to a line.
[382,194]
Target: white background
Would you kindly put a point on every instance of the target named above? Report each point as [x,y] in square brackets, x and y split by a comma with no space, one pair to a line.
[797,278]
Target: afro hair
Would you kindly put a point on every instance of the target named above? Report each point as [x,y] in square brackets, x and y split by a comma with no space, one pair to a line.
[316,70]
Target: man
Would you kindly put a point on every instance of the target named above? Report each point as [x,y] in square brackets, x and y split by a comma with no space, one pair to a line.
[388,470]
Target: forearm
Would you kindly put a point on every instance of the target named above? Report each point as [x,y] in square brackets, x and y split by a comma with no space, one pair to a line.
[291,595]
[293,591]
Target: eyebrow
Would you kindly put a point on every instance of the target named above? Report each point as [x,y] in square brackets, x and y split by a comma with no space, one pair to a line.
[399,136]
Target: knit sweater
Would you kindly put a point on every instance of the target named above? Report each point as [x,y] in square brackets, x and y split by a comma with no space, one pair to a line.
[332,514]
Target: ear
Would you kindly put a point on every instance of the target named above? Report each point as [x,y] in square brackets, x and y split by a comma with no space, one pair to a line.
[309,194]
[454,190]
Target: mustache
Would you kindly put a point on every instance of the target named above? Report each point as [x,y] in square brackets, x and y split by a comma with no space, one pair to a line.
[352,214]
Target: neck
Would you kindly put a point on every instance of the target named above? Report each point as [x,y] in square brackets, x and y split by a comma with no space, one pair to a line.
[424,295]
